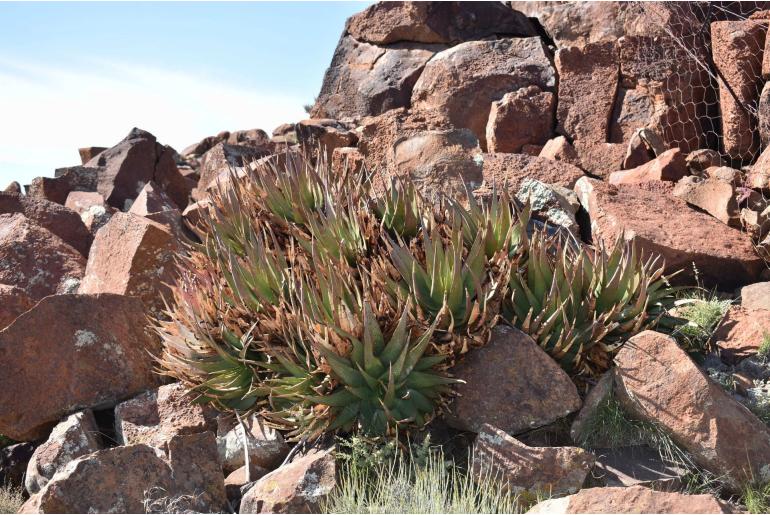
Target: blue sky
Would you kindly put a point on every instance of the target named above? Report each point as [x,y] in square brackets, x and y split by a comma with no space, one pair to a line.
[80,74]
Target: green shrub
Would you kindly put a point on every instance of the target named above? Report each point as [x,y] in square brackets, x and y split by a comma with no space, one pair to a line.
[756,497]
[699,313]
[763,352]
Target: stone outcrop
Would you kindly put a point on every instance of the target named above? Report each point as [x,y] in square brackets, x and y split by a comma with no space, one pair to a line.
[13,302]
[511,170]
[741,332]
[714,196]
[523,117]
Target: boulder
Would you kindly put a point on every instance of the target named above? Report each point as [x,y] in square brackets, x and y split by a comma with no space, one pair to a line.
[756,296]
[13,302]
[740,333]
[156,416]
[66,180]
[132,255]
[324,133]
[367,80]
[737,50]
[436,22]
[151,200]
[759,173]
[89,351]
[13,463]
[73,437]
[138,479]
[715,197]
[13,187]
[223,157]
[665,225]
[636,499]
[559,149]
[193,214]
[531,470]
[36,260]
[298,487]
[82,201]
[763,112]
[239,478]
[637,465]
[596,396]
[254,137]
[347,159]
[555,205]
[511,170]
[725,174]
[96,217]
[657,382]
[523,375]
[669,166]
[267,448]
[600,158]
[88,153]
[523,117]
[461,83]
[698,161]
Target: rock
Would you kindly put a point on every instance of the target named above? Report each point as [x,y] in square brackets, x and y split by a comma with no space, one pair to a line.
[193,214]
[347,159]
[223,157]
[759,173]
[699,160]
[725,174]
[34,259]
[511,170]
[555,205]
[461,83]
[763,112]
[531,470]
[740,333]
[440,162]
[588,79]
[13,302]
[138,479]
[50,189]
[156,416]
[669,166]
[520,118]
[132,255]
[658,383]
[75,436]
[88,153]
[13,187]
[436,22]
[13,463]
[82,201]
[640,149]
[298,487]
[238,478]
[367,80]
[66,180]
[713,196]
[324,133]
[663,224]
[636,465]
[523,376]
[737,49]
[559,149]
[151,200]
[596,396]
[636,499]
[96,217]
[756,296]
[254,137]
[267,449]
[88,350]
[600,158]
[59,220]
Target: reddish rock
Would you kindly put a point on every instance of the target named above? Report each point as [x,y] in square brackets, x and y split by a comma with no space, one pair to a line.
[714,196]
[13,302]
[88,351]
[669,166]
[657,382]
[534,470]
[589,22]
[75,436]
[36,260]
[461,83]
[725,174]
[240,477]
[13,187]
[601,158]
[298,487]
[193,214]
[663,224]
[132,255]
[267,448]
[559,149]
[763,112]
[223,157]
[151,200]
[254,137]
[50,189]
[88,153]
[699,160]
[523,376]
[741,332]
[759,173]
[66,180]
[523,117]
[596,396]
[154,417]
[511,169]
[347,159]
[635,499]
[81,201]
[436,22]
[96,217]
[324,133]
[756,296]
[204,145]
[737,49]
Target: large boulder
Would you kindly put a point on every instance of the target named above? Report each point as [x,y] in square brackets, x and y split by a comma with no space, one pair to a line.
[367,80]
[511,170]
[224,157]
[523,375]
[66,180]
[714,196]
[461,83]
[588,22]
[36,260]
[436,22]
[13,302]
[669,166]
[87,350]
[523,117]
[657,382]
[756,296]
[662,224]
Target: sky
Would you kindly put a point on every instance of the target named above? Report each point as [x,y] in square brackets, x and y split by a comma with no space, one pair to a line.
[83,74]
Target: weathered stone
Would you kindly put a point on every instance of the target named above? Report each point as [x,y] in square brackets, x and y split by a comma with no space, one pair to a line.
[636,499]
[34,259]
[88,351]
[740,333]
[325,134]
[131,255]
[555,205]
[66,180]
[737,50]
[154,417]
[81,201]
[636,465]
[669,166]
[88,153]
[596,396]
[96,217]
[267,449]
[223,158]
[699,160]
[640,149]
[461,83]
[347,159]
[600,158]
[524,469]
[13,302]
[238,478]
[759,173]
[589,22]
[13,187]
[254,137]
[657,382]
[662,224]
[298,487]
[523,117]
[75,436]
[523,376]
[436,22]
[559,149]
[763,112]
[151,200]
[13,463]
[193,214]
[714,196]
[367,80]
[510,170]
[724,174]
[756,296]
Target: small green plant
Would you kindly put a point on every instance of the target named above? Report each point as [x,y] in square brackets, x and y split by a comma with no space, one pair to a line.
[5,441]
[763,352]
[11,499]
[756,497]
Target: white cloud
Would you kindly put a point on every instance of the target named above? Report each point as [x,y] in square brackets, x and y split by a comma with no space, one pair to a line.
[47,112]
